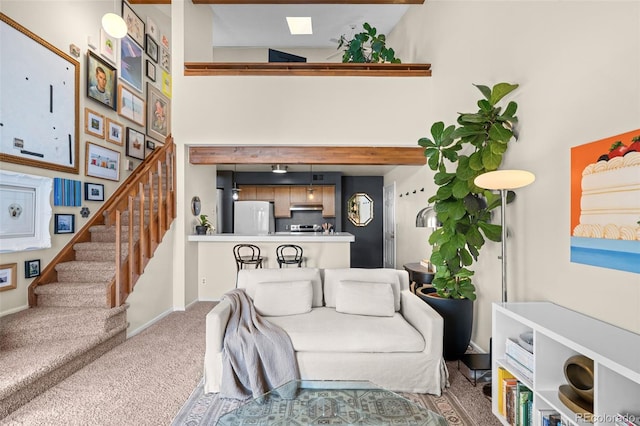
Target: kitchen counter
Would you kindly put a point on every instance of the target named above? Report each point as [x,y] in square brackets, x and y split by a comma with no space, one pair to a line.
[217,267]
[277,237]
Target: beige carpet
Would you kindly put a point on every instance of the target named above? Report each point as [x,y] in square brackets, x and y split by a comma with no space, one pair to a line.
[148,378]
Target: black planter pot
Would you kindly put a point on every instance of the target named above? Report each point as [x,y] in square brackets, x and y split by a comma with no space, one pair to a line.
[458,322]
[201,230]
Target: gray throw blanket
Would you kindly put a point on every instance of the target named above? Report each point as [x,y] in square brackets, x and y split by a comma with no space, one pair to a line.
[257,355]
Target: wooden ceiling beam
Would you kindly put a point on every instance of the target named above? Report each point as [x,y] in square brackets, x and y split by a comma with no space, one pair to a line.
[332,155]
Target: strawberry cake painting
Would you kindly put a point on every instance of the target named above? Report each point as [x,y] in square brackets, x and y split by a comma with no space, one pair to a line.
[605,203]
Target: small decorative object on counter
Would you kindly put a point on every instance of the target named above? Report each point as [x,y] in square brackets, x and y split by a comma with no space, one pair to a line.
[203,225]
[327,227]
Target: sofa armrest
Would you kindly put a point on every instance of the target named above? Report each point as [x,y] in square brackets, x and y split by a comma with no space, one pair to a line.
[425,319]
[216,324]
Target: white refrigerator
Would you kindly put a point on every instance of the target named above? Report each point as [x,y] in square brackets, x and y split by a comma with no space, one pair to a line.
[253,217]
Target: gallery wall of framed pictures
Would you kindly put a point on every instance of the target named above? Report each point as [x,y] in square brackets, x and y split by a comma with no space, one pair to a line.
[108,99]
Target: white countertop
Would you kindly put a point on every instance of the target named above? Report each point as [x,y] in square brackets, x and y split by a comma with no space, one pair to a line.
[310,237]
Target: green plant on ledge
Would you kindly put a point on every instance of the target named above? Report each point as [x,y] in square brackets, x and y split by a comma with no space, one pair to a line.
[367,47]
[203,225]
[475,146]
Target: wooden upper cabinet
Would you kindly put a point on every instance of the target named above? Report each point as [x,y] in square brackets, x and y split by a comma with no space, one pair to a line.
[281,201]
[329,201]
[302,195]
[264,193]
[248,193]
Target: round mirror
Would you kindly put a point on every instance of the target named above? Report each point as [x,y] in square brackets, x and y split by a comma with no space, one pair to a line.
[360,209]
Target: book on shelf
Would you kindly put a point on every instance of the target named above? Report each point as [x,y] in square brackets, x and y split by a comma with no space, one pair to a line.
[520,354]
[503,374]
[510,401]
[523,400]
[519,368]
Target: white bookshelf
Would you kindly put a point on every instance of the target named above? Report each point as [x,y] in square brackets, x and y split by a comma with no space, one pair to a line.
[559,333]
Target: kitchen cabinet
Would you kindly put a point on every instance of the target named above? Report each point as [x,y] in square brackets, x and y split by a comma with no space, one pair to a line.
[284,196]
[265,193]
[281,201]
[301,195]
[248,192]
[329,201]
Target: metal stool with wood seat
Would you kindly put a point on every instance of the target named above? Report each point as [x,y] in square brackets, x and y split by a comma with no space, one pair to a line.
[289,254]
[247,254]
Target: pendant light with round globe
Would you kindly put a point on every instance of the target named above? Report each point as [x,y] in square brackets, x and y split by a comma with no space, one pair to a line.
[114,25]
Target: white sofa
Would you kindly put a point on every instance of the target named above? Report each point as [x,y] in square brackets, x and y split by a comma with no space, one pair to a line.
[338,322]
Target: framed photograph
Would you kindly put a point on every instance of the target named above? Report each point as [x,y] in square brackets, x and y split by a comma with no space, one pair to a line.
[135,25]
[64,224]
[130,105]
[8,273]
[93,123]
[31,105]
[114,132]
[31,268]
[165,59]
[151,71]
[151,48]
[108,46]
[164,41]
[25,211]
[93,191]
[101,81]
[131,62]
[152,29]
[166,84]
[158,114]
[151,146]
[135,144]
[102,162]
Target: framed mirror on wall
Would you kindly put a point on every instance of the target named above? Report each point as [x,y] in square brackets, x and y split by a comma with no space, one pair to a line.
[360,209]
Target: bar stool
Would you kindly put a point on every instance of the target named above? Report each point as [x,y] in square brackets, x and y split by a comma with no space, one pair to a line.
[289,254]
[247,254]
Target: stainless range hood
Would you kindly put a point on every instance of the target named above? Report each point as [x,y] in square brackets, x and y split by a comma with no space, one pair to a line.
[305,207]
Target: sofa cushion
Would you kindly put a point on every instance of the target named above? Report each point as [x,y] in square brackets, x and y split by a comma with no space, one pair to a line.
[248,279]
[364,298]
[283,298]
[326,330]
[397,278]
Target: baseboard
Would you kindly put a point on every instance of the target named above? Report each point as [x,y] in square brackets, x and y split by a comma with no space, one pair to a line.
[149,323]
[14,310]
[476,348]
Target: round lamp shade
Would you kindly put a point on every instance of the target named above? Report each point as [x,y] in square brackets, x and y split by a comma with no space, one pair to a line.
[427,218]
[114,25]
[504,179]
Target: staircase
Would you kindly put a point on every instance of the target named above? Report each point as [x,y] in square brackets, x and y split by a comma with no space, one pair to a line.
[77,305]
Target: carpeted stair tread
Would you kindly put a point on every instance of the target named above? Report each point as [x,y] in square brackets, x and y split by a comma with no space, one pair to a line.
[76,265]
[27,371]
[73,288]
[46,324]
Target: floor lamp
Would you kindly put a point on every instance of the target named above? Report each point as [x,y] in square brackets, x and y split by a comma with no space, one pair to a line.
[503,181]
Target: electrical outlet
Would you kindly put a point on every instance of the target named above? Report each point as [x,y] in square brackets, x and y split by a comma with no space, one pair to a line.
[204,280]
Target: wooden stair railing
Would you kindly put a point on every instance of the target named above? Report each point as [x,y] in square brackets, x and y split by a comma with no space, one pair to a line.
[157,174]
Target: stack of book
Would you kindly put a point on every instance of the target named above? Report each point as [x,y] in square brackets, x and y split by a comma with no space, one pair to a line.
[520,358]
[515,399]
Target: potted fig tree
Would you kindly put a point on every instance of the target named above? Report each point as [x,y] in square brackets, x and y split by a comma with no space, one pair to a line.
[459,153]
[367,46]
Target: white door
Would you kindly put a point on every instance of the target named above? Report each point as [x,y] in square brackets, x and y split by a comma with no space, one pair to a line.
[389,225]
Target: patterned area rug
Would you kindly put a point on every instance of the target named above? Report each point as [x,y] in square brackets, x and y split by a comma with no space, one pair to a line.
[318,407]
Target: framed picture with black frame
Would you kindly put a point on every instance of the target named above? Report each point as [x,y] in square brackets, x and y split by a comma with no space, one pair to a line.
[102,81]
[151,70]
[31,268]
[64,223]
[135,144]
[151,48]
[93,191]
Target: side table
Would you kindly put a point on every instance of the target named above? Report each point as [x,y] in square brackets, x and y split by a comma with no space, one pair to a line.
[419,276]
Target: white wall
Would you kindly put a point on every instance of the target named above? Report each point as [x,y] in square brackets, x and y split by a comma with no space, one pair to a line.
[62,23]
[578,66]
